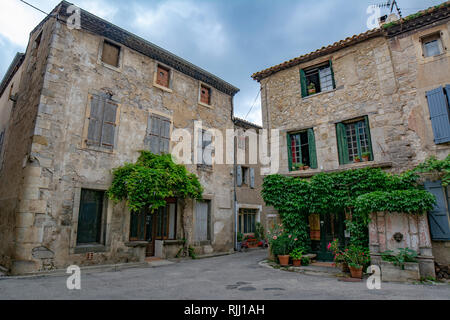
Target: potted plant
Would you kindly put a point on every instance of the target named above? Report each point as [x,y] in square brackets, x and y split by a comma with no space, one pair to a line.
[366,156]
[240,236]
[298,166]
[280,244]
[339,257]
[251,241]
[297,255]
[357,258]
[357,159]
[311,88]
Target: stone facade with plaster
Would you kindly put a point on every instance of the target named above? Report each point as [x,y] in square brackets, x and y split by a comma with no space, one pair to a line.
[48,163]
[383,75]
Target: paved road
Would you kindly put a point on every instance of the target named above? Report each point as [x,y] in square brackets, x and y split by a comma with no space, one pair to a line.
[233,277]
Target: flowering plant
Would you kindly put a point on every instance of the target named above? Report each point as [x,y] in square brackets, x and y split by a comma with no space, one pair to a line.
[339,256]
[281,243]
[357,257]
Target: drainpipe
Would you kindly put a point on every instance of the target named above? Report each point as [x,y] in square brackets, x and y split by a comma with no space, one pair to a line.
[234,180]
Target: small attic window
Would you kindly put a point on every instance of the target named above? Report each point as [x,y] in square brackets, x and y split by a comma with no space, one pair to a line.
[163,76]
[111,54]
[205,95]
[432,45]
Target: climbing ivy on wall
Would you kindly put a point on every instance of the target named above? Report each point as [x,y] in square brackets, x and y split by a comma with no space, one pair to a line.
[359,191]
[151,180]
[440,167]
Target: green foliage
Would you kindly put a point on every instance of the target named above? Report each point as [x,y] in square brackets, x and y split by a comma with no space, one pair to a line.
[151,180]
[192,254]
[356,256]
[259,231]
[441,167]
[306,261]
[407,201]
[404,255]
[282,242]
[240,237]
[296,254]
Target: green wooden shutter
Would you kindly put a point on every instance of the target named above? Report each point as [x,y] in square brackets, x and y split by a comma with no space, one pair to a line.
[342,144]
[303,83]
[369,138]
[332,74]
[289,150]
[312,149]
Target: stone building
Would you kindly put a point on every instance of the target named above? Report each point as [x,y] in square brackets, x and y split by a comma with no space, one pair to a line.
[81,102]
[382,94]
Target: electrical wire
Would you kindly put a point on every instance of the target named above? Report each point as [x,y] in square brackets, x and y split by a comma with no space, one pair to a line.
[257,96]
[36,8]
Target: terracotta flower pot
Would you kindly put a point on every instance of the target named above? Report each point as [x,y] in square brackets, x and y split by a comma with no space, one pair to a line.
[365,159]
[297,263]
[253,244]
[356,272]
[284,260]
[311,91]
[357,160]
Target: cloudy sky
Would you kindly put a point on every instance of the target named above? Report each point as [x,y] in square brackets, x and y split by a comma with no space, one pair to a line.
[230,38]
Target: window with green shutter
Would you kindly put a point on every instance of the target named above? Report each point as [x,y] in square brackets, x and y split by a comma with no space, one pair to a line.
[302,149]
[354,141]
[317,79]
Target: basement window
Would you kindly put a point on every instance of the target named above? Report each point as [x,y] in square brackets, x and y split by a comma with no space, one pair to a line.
[111,54]
[432,45]
[317,79]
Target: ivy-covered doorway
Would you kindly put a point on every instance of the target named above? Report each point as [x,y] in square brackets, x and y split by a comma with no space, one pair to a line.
[324,228]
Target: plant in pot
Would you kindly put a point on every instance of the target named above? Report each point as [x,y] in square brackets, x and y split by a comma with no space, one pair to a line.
[298,166]
[251,241]
[280,245]
[357,258]
[339,257]
[240,237]
[297,255]
[366,156]
[311,88]
[357,159]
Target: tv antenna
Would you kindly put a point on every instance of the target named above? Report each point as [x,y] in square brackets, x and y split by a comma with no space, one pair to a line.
[390,4]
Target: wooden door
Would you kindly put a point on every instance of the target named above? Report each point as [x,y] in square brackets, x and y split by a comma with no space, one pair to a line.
[331,227]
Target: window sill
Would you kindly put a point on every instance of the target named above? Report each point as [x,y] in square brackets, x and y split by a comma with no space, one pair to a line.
[162,87]
[117,69]
[96,149]
[206,105]
[318,94]
[357,165]
[89,248]
[134,244]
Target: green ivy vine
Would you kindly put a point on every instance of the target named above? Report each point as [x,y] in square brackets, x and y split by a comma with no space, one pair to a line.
[151,180]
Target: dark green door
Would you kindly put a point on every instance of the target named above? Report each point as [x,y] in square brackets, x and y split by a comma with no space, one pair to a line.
[90,217]
[331,227]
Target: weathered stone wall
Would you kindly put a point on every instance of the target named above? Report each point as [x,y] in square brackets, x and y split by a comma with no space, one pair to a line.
[416,75]
[65,166]
[365,85]
[20,187]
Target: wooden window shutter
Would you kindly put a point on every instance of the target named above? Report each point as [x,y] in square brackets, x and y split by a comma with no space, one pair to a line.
[239,176]
[111,54]
[289,150]
[163,76]
[439,115]
[438,218]
[154,133]
[312,149]
[205,95]
[303,85]
[342,144]
[201,221]
[369,138]
[332,74]
[109,124]
[164,141]
[95,121]
[252,178]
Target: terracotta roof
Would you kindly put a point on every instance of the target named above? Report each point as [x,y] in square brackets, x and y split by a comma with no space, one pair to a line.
[245,124]
[408,23]
[96,25]
[318,53]
[15,65]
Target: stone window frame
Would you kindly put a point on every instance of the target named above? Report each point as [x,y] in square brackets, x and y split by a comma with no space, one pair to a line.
[107,214]
[171,75]
[84,144]
[119,68]
[212,201]
[211,95]
[423,34]
[432,37]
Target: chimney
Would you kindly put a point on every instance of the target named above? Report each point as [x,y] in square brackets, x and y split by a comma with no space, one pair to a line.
[388,19]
